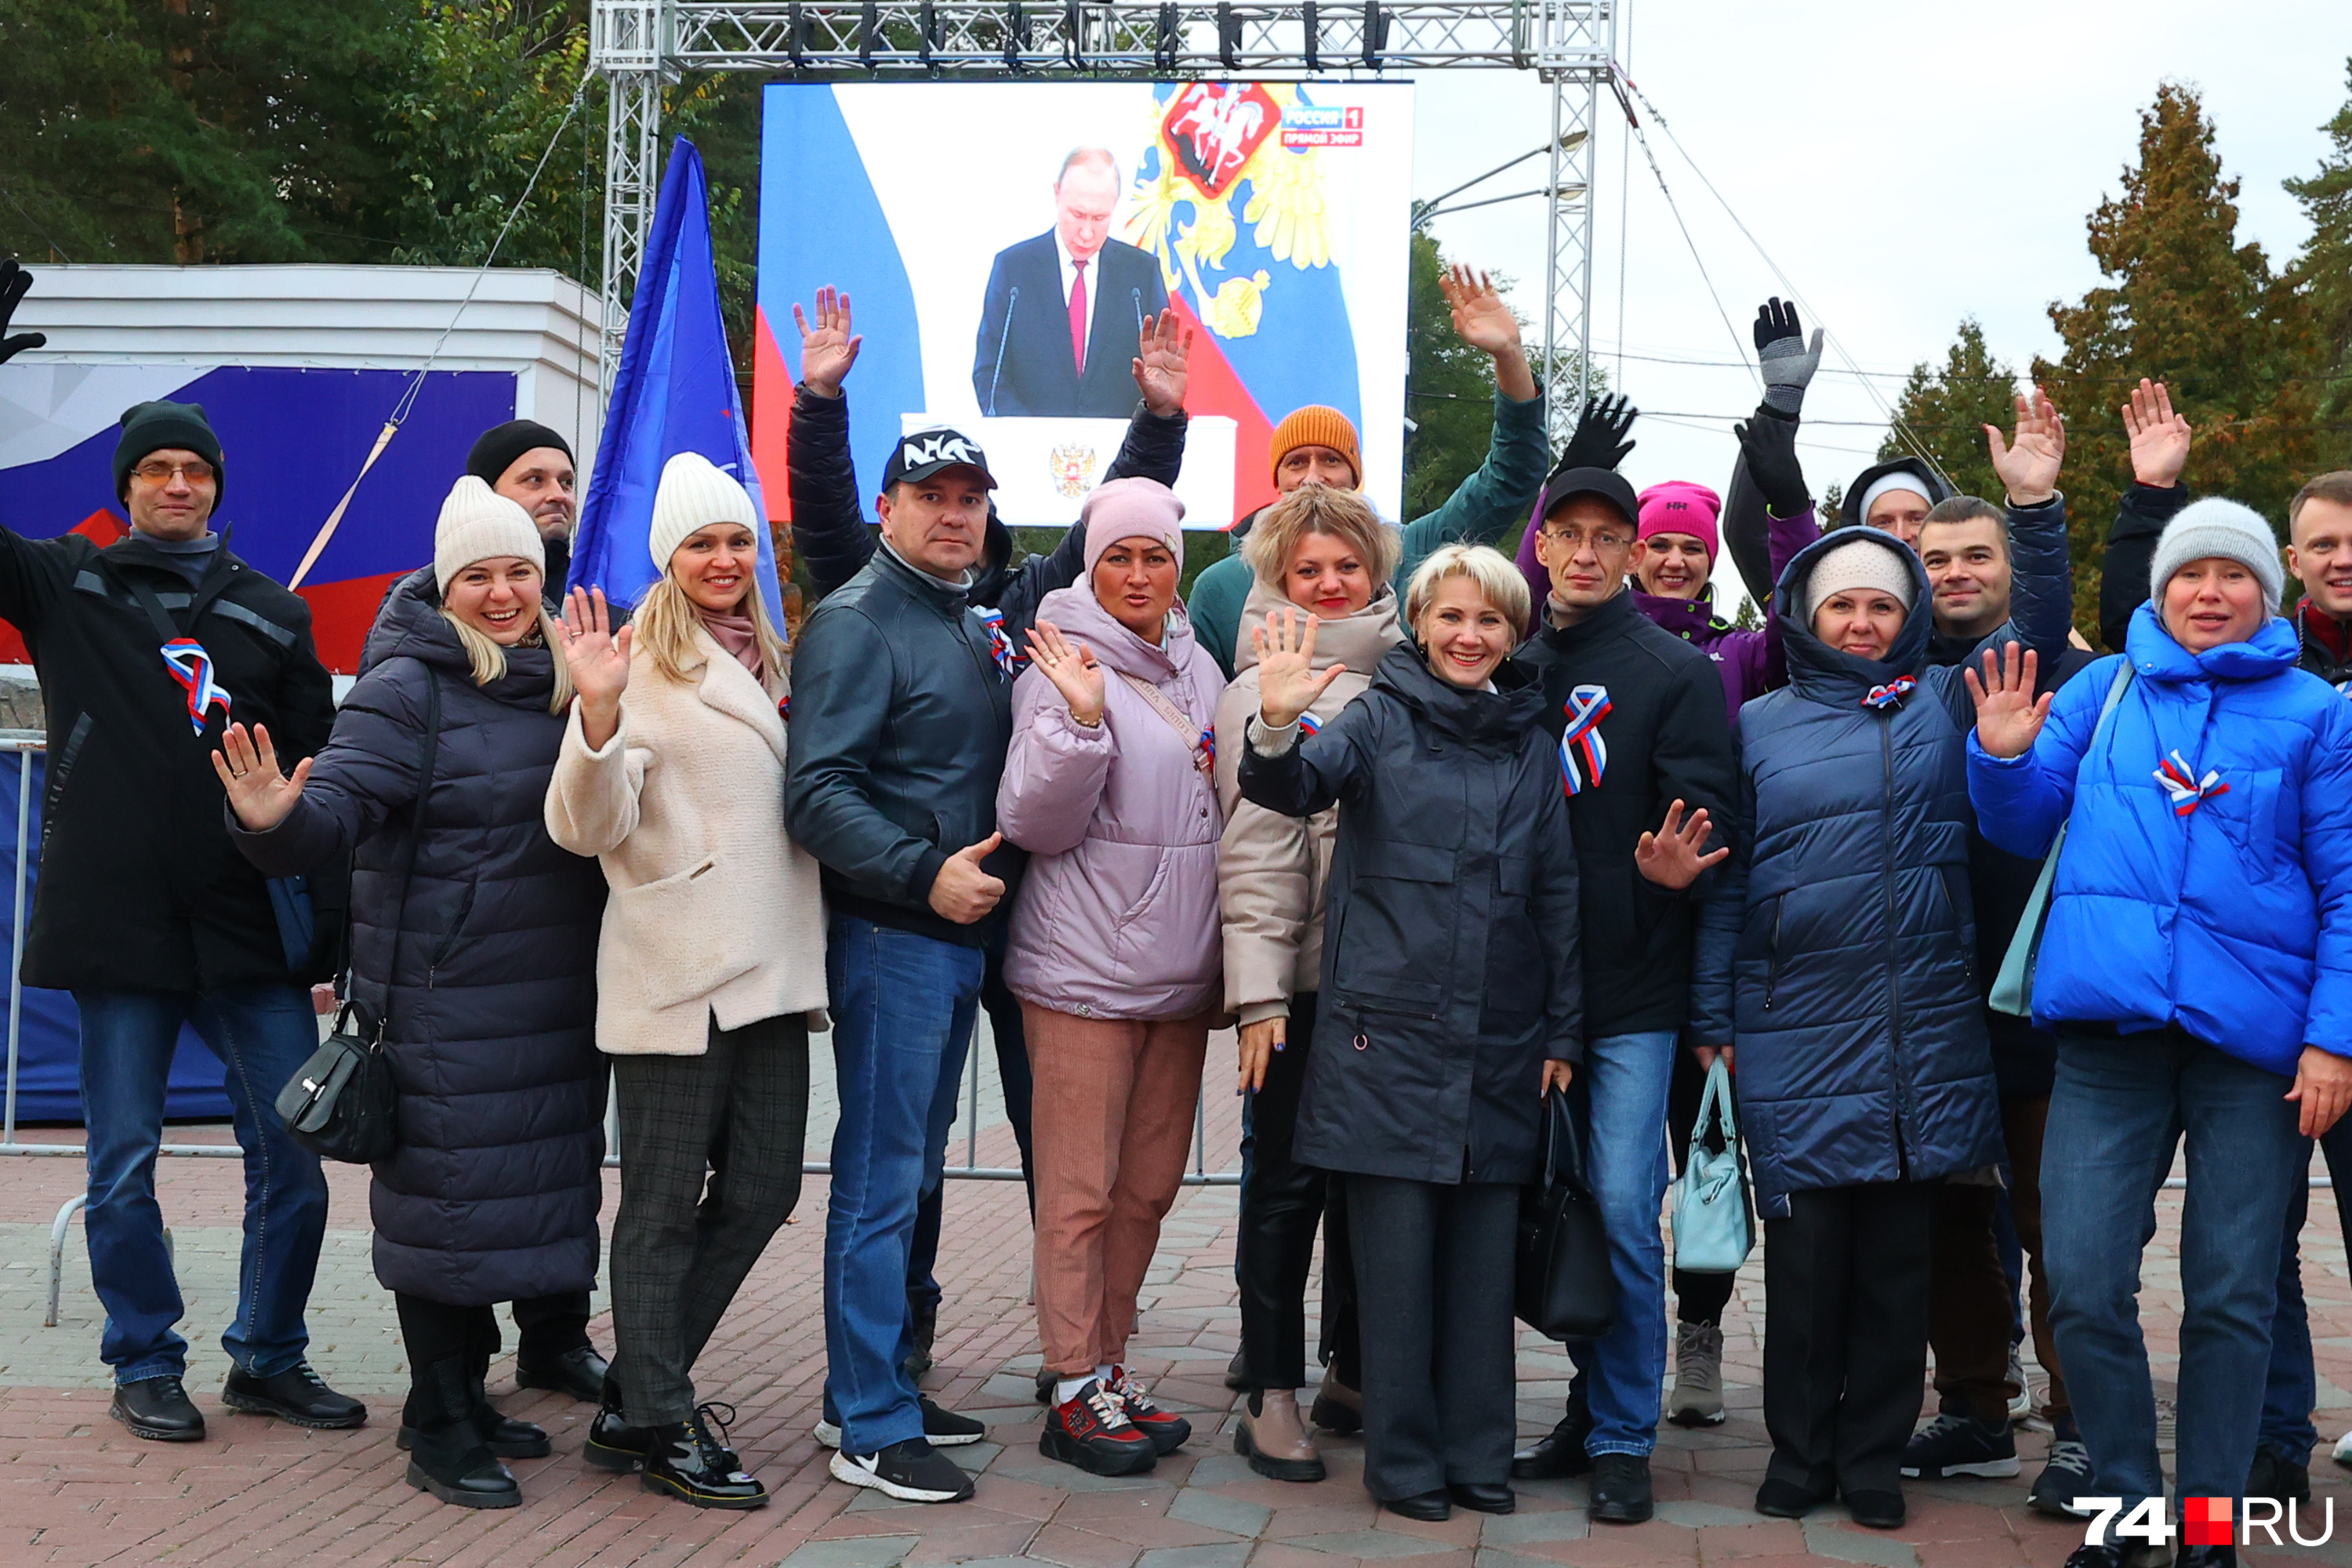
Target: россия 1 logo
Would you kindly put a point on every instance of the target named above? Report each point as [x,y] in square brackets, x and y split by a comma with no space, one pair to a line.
[2204,1522]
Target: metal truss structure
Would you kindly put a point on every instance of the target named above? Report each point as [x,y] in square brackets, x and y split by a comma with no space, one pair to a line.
[638,46]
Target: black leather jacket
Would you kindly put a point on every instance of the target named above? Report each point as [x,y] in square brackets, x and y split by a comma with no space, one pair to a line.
[900,718]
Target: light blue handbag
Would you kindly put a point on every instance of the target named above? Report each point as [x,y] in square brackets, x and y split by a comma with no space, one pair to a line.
[1712,1229]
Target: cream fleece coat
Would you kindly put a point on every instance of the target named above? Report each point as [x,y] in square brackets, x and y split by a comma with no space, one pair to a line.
[714,911]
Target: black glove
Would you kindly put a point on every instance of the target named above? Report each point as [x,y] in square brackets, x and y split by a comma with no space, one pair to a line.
[1786,360]
[1770,447]
[14,281]
[1600,439]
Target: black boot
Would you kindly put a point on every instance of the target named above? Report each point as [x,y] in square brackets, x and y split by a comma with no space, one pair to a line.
[684,1460]
[446,1456]
[612,1444]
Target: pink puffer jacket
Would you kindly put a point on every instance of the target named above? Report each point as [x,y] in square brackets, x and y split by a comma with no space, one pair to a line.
[1118,918]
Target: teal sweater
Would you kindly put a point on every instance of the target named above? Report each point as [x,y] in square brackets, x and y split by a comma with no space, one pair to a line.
[1481,510]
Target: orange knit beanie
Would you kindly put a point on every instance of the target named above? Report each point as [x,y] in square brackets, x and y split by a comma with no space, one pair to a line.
[1316,426]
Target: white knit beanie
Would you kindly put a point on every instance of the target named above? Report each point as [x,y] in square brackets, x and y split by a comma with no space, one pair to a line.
[693,494]
[1862,563]
[2214,527]
[480,524]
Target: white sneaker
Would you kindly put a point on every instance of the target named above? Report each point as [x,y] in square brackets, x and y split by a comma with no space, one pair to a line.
[2343,1454]
[2021,1403]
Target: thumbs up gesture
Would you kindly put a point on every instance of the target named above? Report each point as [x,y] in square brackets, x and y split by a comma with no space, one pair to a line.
[962,892]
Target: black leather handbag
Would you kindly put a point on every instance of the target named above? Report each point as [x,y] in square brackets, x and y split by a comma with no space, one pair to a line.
[1564,1290]
[341,1104]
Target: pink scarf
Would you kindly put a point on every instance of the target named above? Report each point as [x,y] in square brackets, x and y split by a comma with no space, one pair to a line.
[739,635]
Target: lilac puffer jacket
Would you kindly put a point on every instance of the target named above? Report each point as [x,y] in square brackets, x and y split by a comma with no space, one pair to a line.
[1118,916]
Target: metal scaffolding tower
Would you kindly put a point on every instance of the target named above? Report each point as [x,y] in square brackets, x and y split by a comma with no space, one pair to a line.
[639,45]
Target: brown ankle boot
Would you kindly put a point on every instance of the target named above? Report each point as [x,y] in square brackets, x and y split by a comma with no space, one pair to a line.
[1273,1440]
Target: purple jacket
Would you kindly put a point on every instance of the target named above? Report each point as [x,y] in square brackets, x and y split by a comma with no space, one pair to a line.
[1750,662]
[1118,916]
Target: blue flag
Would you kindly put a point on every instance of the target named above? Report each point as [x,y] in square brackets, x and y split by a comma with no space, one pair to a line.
[675,393]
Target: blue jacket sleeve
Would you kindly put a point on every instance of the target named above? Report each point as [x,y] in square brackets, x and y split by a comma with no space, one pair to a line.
[2041,580]
[1486,504]
[843,679]
[2326,803]
[830,533]
[366,772]
[1713,1014]
[1315,773]
[2021,800]
[1559,916]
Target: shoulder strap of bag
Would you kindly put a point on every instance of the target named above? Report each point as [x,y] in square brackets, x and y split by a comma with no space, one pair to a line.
[429,754]
[2012,988]
[1714,1106]
[1185,729]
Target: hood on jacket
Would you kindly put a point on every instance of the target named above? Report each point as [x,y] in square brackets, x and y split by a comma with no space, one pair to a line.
[1823,673]
[411,625]
[2157,654]
[1929,485]
[1076,612]
[1497,717]
[1358,640]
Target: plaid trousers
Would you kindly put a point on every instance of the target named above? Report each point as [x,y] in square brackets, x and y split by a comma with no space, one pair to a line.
[711,1167]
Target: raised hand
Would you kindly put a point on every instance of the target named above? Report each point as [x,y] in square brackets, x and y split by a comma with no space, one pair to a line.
[1672,857]
[1481,319]
[257,791]
[1770,446]
[1599,441]
[1161,356]
[14,281]
[1072,669]
[2027,463]
[1287,683]
[1786,360]
[598,657]
[1258,1043]
[2008,716]
[2159,437]
[829,348]
[962,891]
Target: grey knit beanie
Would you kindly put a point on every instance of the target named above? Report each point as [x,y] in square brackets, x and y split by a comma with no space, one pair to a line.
[2217,527]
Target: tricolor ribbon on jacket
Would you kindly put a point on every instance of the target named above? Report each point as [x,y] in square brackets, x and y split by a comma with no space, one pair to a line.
[2188,791]
[1891,693]
[1000,647]
[192,667]
[1583,755]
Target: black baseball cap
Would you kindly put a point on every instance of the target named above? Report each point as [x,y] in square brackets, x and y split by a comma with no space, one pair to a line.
[1607,483]
[926,452]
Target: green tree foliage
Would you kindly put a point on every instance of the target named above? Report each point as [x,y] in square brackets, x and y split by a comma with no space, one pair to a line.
[1943,411]
[2325,272]
[1449,390]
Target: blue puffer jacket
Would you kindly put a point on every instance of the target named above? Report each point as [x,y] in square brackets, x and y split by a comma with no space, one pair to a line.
[2232,920]
[1840,953]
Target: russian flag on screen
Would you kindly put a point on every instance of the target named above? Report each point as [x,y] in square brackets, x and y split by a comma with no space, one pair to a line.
[1226,196]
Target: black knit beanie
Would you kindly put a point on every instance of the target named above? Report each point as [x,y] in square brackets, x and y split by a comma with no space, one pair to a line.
[496,449]
[153,427]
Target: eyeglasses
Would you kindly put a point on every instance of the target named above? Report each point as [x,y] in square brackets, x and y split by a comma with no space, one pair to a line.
[197,470]
[1602,539]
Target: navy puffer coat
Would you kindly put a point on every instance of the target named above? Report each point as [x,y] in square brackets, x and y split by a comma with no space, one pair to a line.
[1840,953]
[492,1193]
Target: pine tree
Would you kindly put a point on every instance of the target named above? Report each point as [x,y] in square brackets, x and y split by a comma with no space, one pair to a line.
[2187,305]
[1943,411]
[1449,390]
[2325,272]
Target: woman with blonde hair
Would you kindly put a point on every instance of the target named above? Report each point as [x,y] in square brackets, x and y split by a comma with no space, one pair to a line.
[472,933]
[1451,1000]
[1324,551]
[710,963]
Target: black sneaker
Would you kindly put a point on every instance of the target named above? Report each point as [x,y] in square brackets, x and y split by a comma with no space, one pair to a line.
[2278,1477]
[298,1396]
[1877,1509]
[911,1471]
[941,1428]
[1558,1454]
[1621,1489]
[2066,1475]
[1960,1446]
[1090,1430]
[158,1409]
[684,1460]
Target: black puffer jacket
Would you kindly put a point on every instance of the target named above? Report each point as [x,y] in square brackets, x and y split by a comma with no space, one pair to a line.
[1450,961]
[1841,951]
[493,1190]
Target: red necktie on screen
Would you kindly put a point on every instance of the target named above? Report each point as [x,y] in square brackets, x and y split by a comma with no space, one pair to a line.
[1078,318]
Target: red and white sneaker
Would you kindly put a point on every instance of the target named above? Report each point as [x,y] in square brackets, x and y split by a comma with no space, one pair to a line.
[1167,1430]
[1091,1430]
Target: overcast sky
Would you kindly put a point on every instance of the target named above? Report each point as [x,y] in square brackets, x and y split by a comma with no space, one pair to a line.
[1904,164]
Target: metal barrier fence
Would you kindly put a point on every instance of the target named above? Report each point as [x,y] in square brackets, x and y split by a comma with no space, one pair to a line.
[25,745]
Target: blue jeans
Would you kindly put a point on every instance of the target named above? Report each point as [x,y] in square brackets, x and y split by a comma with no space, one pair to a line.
[903,1006]
[2119,1107]
[263,1034]
[2294,1386]
[1625,1079]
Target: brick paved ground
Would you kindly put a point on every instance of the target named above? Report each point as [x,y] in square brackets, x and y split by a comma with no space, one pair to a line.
[76,1490]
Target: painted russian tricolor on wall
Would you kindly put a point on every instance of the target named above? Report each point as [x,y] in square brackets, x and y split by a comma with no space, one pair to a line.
[1273,216]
